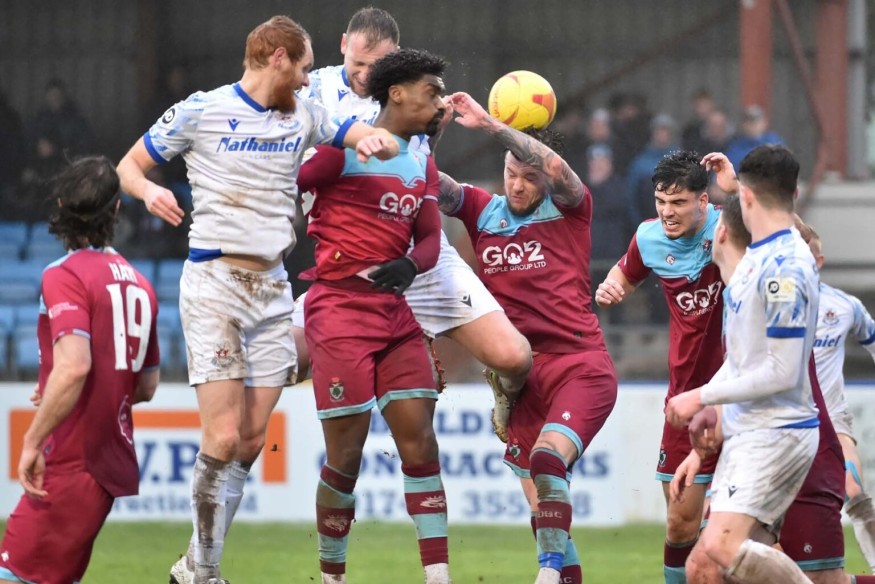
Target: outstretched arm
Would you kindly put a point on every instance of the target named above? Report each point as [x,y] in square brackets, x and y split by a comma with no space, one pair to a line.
[566,187]
[450,194]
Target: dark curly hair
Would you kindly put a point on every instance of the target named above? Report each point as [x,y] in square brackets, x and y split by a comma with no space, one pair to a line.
[552,139]
[678,171]
[399,67]
[87,192]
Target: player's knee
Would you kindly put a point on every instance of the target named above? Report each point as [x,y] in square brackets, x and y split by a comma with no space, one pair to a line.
[419,447]
[250,447]
[682,526]
[715,548]
[701,568]
[221,443]
[515,357]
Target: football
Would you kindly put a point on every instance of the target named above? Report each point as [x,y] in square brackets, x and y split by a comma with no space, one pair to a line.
[522,99]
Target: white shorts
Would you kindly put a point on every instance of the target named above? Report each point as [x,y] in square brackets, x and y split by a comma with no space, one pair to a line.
[237,324]
[843,422]
[443,298]
[760,472]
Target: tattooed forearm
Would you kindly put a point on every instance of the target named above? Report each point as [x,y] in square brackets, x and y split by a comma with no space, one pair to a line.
[567,188]
[450,196]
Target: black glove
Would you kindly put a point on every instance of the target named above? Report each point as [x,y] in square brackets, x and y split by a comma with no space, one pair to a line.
[395,276]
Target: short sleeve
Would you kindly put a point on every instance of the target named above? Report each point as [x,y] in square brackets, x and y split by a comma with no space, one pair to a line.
[432,178]
[326,130]
[786,296]
[474,200]
[863,327]
[66,301]
[583,209]
[322,168]
[632,264]
[174,131]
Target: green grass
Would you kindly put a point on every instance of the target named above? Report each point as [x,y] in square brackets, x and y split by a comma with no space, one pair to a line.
[381,553]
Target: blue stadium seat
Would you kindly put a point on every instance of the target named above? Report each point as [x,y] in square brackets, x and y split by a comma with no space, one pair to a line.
[25,349]
[16,290]
[168,317]
[168,342]
[145,267]
[7,318]
[14,232]
[169,270]
[40,232]
[30,269]
[44,251]
[4,352]
[10,249]
[26,315]
[166,281]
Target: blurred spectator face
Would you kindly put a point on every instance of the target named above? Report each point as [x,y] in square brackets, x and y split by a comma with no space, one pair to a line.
[45,148]
[599,168]
[754,122]
[717,127]
[662,131]
[703,105]
[599,128]
[55,98]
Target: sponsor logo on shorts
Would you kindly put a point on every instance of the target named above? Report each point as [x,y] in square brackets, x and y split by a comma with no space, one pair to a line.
[566,415]
[337,523]
[223,356]
[807,548]
[732,489]
[335,389]
[662,457]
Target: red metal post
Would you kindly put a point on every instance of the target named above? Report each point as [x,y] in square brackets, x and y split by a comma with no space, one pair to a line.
[756,53]
[831,75]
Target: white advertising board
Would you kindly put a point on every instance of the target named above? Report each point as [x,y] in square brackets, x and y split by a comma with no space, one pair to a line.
[612,484]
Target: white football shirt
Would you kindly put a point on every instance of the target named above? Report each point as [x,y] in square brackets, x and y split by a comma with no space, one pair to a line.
[242,162]
[839,315]
[772,295]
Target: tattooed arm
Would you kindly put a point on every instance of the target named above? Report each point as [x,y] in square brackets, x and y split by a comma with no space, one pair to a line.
[565,186]
[450,196]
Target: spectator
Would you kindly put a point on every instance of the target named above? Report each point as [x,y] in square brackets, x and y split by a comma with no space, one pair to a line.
[639,186]
[754,132]
[12,156]
[610,216]
[630,128]
[597,131]
[45,161]
[60,117]
[693,135]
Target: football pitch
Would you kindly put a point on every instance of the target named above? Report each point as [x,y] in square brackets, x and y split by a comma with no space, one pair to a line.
[383,553]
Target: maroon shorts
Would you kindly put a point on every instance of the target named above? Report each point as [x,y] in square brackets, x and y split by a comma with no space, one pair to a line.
[366,349]
[812,532]
[673,449]
[572,394]
[49,541]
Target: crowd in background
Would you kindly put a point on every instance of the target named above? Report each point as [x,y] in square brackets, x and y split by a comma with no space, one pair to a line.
[613,148]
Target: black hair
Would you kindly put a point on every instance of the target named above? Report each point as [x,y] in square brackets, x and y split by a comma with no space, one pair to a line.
[678,171]
[771,172]
[375,24]
[552,139]
[731,217]
[87,191]
[399,67]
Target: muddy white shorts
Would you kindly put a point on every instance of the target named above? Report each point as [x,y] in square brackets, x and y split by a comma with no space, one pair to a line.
[237,324]
[761,471]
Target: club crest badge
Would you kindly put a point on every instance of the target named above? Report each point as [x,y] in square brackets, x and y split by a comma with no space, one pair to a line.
[335,389]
